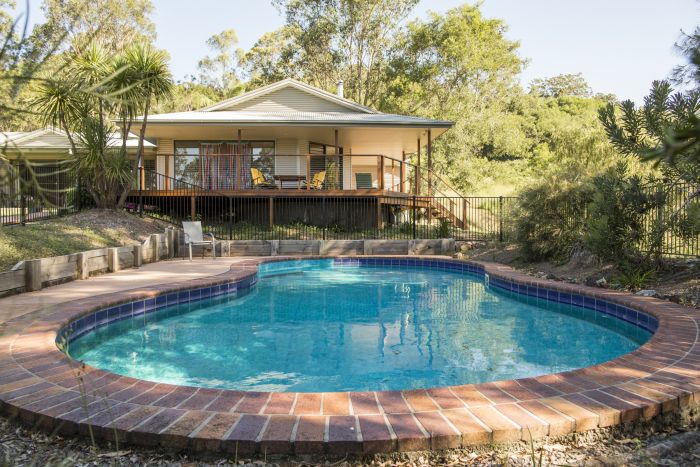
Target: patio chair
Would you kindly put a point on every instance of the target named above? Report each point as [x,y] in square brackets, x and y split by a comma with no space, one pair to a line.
[318,180]
[194,236]
[260,180]
[363,180]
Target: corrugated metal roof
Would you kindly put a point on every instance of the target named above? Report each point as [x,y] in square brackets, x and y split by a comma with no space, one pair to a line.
[50,138]
[311,118]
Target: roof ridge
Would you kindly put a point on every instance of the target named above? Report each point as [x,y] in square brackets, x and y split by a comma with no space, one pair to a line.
[272,87]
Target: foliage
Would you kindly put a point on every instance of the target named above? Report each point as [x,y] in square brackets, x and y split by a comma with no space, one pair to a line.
[113,24]
[220,72]
[644,131]
[635,278]
[95,87]
[566,85]
[616,215]
[551,218]
[324,41]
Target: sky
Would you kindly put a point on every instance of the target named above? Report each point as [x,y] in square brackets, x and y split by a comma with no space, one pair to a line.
[620,46]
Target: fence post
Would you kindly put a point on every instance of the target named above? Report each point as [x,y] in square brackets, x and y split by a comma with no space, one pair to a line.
[78,201]
[414,217]
[500,218]
[113,259]
[138,255]
[22,206]
[230,218]
[32,275]
[83,266]
[140,191]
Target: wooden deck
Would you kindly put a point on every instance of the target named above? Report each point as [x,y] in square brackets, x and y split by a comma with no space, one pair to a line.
[277,193]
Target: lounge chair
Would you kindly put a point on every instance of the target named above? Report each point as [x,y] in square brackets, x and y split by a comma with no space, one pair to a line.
[194,236]
[260,180]
[363,180]
[318,180]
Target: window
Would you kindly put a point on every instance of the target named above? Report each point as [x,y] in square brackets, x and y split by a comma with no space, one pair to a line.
[212,164]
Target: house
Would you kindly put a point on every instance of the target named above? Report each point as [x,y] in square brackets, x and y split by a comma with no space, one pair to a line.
[280,154]
[269,148]
[290,132]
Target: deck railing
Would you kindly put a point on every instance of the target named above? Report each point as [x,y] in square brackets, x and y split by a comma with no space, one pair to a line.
[324,215]
[243,172]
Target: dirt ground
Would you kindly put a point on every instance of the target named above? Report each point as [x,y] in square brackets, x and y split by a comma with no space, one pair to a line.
[678,281]
[673,442]
[86,230]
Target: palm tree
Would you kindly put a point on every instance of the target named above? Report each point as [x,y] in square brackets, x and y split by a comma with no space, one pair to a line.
[60,105]
[150,67]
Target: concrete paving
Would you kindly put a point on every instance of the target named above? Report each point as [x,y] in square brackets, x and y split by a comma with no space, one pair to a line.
[163,272]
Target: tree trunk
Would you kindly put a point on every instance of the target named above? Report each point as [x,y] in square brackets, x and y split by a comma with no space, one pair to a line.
[139,154]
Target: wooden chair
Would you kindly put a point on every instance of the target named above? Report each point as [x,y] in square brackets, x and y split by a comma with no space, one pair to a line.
[318,180]
[194,236]
[260,180]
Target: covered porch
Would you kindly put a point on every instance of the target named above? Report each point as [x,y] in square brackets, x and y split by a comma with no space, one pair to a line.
[293,158]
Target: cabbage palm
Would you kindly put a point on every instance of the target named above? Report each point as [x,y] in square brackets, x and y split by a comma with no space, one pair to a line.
[60,105]
[150,68]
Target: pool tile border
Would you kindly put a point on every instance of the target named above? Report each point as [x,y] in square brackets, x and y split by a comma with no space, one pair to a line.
[40,384]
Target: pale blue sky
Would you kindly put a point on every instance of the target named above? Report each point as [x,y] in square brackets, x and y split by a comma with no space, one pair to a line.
[620,46]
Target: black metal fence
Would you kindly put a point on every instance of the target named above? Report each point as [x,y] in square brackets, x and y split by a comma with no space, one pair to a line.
[33,191]
[674,225]
[306,215]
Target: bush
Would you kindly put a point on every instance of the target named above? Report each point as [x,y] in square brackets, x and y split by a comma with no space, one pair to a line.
[550,220]
[616,215]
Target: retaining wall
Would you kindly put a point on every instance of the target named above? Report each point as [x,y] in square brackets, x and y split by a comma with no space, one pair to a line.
[27,276]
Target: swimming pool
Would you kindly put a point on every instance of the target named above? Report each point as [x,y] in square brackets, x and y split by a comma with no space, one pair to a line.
[344,325]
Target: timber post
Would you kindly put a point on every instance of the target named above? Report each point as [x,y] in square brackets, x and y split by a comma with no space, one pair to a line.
[32,275]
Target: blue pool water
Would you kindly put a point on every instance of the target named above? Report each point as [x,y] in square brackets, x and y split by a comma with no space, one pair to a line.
[314,326]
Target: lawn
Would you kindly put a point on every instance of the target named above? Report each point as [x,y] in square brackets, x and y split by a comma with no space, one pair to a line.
[79,232]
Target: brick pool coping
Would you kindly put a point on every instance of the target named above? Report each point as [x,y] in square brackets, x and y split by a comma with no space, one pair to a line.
[45,389]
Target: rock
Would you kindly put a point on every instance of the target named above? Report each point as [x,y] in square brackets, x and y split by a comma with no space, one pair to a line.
[674,444]
[601,282]
[647,293]
[550,276]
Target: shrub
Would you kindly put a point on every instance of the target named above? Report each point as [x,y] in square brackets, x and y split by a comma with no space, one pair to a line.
[550,219]
[616,215]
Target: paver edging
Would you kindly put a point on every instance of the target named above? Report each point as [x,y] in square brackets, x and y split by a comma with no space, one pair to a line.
[38,384]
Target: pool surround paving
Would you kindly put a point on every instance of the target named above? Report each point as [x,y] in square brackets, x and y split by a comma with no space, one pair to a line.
[45,388]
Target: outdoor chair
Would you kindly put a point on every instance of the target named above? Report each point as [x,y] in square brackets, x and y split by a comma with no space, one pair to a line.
[363,180]
[318,180]
[260,180]
[194,236]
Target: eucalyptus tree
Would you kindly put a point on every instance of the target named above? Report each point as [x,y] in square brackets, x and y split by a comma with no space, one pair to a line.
[324,41]
[221,71]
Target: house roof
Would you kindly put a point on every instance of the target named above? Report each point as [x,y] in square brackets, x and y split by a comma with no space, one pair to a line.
[55,139]
[286,84]
[296,118]
[290,102]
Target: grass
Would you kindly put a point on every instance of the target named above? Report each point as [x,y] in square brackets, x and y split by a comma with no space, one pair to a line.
[71,234]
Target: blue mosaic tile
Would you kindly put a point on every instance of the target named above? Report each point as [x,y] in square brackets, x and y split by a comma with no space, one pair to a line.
[172,298]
